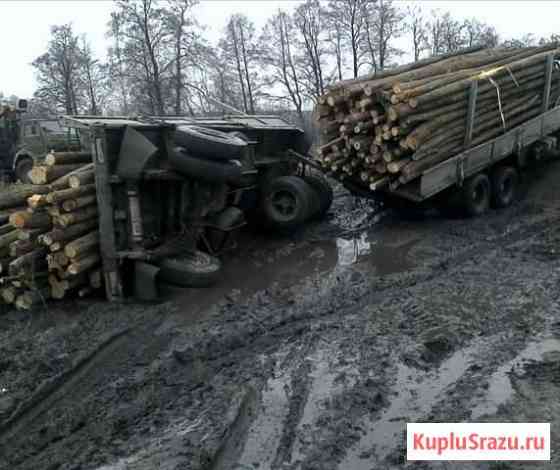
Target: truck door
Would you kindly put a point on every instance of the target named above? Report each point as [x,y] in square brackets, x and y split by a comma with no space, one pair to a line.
[32,140]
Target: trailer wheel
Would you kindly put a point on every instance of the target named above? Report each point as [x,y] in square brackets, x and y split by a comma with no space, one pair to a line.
[504,186]
[287,202]
[324,191]
[476,195]
[195,269]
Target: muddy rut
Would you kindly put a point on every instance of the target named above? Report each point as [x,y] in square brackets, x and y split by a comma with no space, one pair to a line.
[313,353]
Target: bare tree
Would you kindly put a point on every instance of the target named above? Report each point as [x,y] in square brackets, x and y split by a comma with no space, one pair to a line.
[277,44]
[349,14]
[478,33]
[239,50]
[335,39]
[117,63]
[418,28]
[310,21]
[57,70]
[146,45]
[92,78]
[383,24]
[446,34]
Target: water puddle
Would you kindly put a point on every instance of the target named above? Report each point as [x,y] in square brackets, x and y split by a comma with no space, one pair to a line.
[500,389]
[416,393]
[384,258]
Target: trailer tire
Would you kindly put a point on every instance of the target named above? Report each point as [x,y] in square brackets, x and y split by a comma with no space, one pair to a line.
[209,143]
[322,188]
[287,202]
[505,180]
[195,269]
[476,195]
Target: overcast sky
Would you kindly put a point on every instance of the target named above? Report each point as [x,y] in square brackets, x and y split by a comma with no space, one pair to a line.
[26,24]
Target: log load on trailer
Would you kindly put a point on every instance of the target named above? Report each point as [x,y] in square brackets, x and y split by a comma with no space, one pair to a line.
[448,128]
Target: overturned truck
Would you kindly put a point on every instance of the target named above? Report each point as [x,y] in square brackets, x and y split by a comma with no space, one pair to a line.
[452,131]
[152,200]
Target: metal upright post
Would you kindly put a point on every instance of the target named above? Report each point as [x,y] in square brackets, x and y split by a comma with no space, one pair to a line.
[471,111]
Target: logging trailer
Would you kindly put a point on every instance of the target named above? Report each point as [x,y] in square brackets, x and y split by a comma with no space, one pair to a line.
[172,191]
[485,175]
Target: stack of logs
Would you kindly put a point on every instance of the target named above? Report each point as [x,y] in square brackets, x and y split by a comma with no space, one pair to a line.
[49,237]
[385,130]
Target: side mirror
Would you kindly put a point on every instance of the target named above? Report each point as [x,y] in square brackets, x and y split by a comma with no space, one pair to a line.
[21,105]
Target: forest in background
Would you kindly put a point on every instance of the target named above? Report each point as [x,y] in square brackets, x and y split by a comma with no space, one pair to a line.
[160,61]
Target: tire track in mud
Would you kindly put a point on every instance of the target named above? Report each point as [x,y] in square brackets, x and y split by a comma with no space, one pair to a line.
[55,390]
[87,374]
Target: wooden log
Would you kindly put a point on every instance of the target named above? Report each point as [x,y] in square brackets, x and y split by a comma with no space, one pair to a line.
[20,247]
[10,293]
[6,228]
[8,238]
[32,234]
[35,260]
[47,174]
[70,233]
[32,298]
[62,182]
[395,167]
[70,205]
[71,193]
[77,216]
[18,194]
[81,179]
[82,244]
[84,265]
[37,201]
[65,158]
[379,183]
[30,220]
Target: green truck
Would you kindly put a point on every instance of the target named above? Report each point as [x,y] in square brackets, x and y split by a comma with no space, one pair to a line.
[24,141]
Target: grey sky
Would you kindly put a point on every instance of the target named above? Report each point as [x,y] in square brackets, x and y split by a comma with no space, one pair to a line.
[26,24]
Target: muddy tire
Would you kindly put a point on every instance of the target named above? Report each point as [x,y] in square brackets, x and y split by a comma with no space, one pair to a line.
[323,189]
[287,202]
[476,195]
[22,170]
[209,143]
[505,181]
[196,269]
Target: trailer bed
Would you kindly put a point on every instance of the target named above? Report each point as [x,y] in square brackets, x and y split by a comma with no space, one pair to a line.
[455,170]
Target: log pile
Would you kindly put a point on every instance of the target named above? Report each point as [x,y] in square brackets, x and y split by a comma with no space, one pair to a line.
[49,239]
[384,131]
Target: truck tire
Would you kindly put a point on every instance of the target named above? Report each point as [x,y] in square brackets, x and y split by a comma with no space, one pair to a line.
[476,195]
[197,269]
[209,143]
[504,186]
[205,170]
[287,202]
[323,190]
[23,167]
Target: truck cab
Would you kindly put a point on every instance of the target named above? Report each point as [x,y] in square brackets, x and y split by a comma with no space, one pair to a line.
[24,141]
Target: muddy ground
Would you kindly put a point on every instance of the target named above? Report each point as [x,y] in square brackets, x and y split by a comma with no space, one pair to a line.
[312,354]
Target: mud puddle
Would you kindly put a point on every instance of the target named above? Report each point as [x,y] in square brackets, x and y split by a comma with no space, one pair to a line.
[500,389]
[416,392]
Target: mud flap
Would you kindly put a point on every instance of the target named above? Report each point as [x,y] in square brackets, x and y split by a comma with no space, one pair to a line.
[145,275]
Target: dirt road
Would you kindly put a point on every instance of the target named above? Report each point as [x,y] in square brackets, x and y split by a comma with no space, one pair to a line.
[312,354]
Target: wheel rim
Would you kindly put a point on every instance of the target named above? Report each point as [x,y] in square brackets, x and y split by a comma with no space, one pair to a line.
[506,188]
[479,193]
[285,204]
